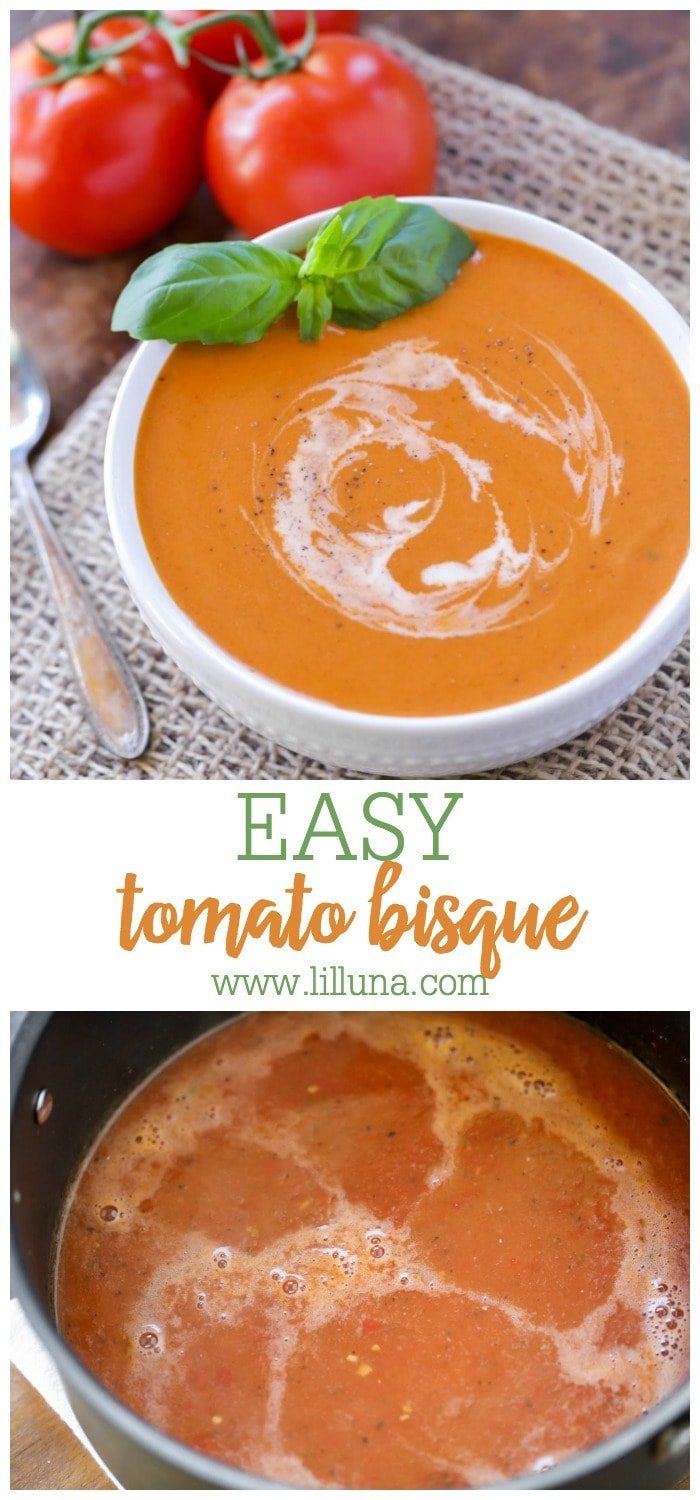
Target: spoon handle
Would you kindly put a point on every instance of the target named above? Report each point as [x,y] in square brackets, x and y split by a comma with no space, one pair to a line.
[113,699]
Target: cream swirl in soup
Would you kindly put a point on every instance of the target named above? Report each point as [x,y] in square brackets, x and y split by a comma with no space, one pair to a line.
[373,401]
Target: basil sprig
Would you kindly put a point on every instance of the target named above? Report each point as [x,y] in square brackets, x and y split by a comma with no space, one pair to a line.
[371,261]
[380,257]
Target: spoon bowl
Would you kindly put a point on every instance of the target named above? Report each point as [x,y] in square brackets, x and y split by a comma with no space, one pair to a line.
[30,403]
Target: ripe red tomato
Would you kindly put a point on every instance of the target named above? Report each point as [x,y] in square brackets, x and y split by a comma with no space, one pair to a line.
[106,159]
[352,120]
[219,42]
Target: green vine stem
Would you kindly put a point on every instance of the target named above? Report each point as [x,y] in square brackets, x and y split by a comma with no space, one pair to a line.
[84,59]
[279,58]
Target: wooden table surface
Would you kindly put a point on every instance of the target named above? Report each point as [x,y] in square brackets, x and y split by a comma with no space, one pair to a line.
[627,69]
[44,1454]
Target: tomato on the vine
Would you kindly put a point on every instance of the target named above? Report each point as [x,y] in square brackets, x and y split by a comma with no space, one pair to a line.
[219,42]
[106,158]
[350,120]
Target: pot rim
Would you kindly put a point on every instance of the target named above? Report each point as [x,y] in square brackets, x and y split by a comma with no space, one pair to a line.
[673,1409]
[201,657]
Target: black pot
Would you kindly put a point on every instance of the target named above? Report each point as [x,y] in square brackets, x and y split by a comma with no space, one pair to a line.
[88,1062]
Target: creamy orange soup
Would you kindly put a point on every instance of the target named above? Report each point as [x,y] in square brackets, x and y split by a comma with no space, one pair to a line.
[464,507]
[386,1251]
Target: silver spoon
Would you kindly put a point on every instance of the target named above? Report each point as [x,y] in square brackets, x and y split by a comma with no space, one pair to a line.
[113,699]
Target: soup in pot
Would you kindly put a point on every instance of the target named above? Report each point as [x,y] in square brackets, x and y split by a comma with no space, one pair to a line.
[461,508]
[386,1250]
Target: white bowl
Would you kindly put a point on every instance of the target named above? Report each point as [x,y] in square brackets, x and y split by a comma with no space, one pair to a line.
[385,744]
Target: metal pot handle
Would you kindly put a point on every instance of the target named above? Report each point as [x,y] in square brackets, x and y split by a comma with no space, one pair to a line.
[673,1442]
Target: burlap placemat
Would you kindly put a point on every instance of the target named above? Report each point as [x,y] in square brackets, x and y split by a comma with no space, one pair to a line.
[497,142]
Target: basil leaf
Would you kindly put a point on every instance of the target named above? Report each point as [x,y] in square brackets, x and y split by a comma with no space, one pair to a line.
[314,308]
[417,259]
[227,293]
[352,237]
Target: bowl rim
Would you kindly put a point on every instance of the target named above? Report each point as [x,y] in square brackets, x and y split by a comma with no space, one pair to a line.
[671,1410]
[172,622]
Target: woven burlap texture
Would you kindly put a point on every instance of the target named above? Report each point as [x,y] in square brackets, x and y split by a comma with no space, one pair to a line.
[497,143]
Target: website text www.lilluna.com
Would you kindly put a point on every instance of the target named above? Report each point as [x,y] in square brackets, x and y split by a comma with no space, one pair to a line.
[336,981]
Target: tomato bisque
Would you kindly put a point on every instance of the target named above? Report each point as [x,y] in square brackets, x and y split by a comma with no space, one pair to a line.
[386,1251]
[462,507]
